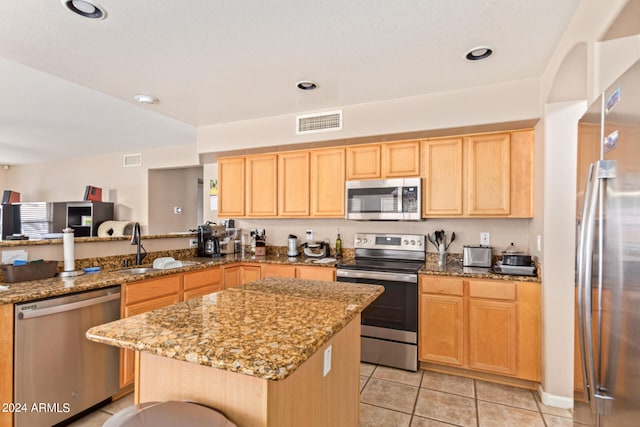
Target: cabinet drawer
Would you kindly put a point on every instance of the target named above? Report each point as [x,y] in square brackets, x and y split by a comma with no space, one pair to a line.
[492,289]
[199,279]
[154,288]
[433,285]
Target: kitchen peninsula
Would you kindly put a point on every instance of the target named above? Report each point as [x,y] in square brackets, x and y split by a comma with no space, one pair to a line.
[275,352]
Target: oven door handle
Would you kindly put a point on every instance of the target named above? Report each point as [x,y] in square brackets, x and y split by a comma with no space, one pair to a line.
[377,275]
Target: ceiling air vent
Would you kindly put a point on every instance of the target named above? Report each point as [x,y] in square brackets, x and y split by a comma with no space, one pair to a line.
[132,160]
[319,122]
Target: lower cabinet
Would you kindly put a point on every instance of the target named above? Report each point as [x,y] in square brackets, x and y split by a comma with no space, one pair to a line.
[138,298]
[202,282]
[300,272]
[239,274]
[146,295]
[490,326]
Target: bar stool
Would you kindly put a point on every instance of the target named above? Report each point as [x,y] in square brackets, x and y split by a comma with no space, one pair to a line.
[168,414]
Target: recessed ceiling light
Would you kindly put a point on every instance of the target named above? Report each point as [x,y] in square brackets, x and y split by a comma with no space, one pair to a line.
[306,85]
[85,9]
[146,99]
[478,53]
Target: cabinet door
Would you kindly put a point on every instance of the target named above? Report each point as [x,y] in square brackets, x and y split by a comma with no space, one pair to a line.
[316,273]
[442,172]
[293,184]
[201,283]
[489,175]
[521,174]
[441,329]
[327,182]
[232,276]
[277,270]
[493,336]
[127,357]
[231,187]
[401,159]
[262,185]
[363,162]
[251,273]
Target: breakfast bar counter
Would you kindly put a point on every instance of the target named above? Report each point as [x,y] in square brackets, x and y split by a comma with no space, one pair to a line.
[273,352]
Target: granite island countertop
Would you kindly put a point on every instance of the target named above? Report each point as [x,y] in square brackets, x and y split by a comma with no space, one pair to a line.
[265,329]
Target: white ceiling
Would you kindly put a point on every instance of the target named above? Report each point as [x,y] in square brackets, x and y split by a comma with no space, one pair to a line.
[67,83]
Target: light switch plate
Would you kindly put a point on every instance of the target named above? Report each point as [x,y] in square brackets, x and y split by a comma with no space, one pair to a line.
[327,362]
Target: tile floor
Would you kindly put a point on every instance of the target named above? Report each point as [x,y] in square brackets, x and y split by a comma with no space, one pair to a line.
[396,398]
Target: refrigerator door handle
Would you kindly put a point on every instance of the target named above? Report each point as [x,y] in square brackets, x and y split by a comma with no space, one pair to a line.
[585,268]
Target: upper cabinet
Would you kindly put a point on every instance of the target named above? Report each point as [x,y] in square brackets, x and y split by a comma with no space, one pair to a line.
[489,180]
[231,186]
[293,184]
[363,162]
[388,160]
[483,175]
[442,172]
[327,182]
[486,175]
[401,159]
[262,185]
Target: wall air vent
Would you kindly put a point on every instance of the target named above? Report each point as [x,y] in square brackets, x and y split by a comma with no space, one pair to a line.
[132,160]
[318,122]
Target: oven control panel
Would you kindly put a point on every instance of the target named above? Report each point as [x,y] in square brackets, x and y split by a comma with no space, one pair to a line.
[406,242]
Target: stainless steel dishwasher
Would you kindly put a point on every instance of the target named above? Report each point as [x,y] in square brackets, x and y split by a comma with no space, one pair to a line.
[58,372]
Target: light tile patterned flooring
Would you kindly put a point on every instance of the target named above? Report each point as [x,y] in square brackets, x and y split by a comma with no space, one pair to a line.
[396,398]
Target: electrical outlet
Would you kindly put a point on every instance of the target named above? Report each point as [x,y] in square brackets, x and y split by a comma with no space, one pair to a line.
[309,234]
[485,239]
[327,362]
[193,243]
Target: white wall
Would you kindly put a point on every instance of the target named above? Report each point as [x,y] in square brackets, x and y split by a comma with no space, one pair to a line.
[127,187]
[171,188]
[506,102]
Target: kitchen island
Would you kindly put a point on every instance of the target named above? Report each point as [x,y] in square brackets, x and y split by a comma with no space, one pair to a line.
[277,352]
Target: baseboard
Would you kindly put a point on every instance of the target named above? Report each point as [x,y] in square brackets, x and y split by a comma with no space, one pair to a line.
[555,401]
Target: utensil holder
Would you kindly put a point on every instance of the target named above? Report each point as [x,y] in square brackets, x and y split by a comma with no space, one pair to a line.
[442,259]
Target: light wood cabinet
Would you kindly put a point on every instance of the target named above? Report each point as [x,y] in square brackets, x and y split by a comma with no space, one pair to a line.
[138,298]
[492,318]
[231,187]
[489,326]
[489,174]
[239,274]
[293,184]
[261,185]
[363,161]
[442,173]
[202,282]
[316,273]
[299,271]
[441,320]
[401,159]
[327,182]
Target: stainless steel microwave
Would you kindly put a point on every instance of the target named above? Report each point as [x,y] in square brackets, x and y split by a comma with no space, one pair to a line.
[387,199]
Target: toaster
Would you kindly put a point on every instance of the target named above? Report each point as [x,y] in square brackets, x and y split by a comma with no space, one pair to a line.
[476,256]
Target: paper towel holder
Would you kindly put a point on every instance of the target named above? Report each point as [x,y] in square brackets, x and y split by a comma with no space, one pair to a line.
[67,245]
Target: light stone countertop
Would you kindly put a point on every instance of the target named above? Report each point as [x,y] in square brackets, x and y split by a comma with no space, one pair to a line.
[265,329]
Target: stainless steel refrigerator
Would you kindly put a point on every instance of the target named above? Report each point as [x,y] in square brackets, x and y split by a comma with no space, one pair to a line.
[608,259]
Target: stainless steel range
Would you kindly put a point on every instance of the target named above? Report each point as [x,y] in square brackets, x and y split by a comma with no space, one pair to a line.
[389,333]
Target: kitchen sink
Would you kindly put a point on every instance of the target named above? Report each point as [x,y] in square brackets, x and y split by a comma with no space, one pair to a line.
[137,270]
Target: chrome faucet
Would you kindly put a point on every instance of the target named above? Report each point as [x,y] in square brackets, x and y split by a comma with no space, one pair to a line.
[135,240]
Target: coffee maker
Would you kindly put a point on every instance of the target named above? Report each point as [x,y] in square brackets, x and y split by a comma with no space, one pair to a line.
[208,242]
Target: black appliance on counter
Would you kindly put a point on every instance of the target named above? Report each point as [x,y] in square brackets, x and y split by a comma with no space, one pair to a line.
[10,223]
[208,242]
[389,326]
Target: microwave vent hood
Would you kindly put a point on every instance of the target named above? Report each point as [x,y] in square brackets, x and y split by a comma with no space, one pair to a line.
[397,199]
